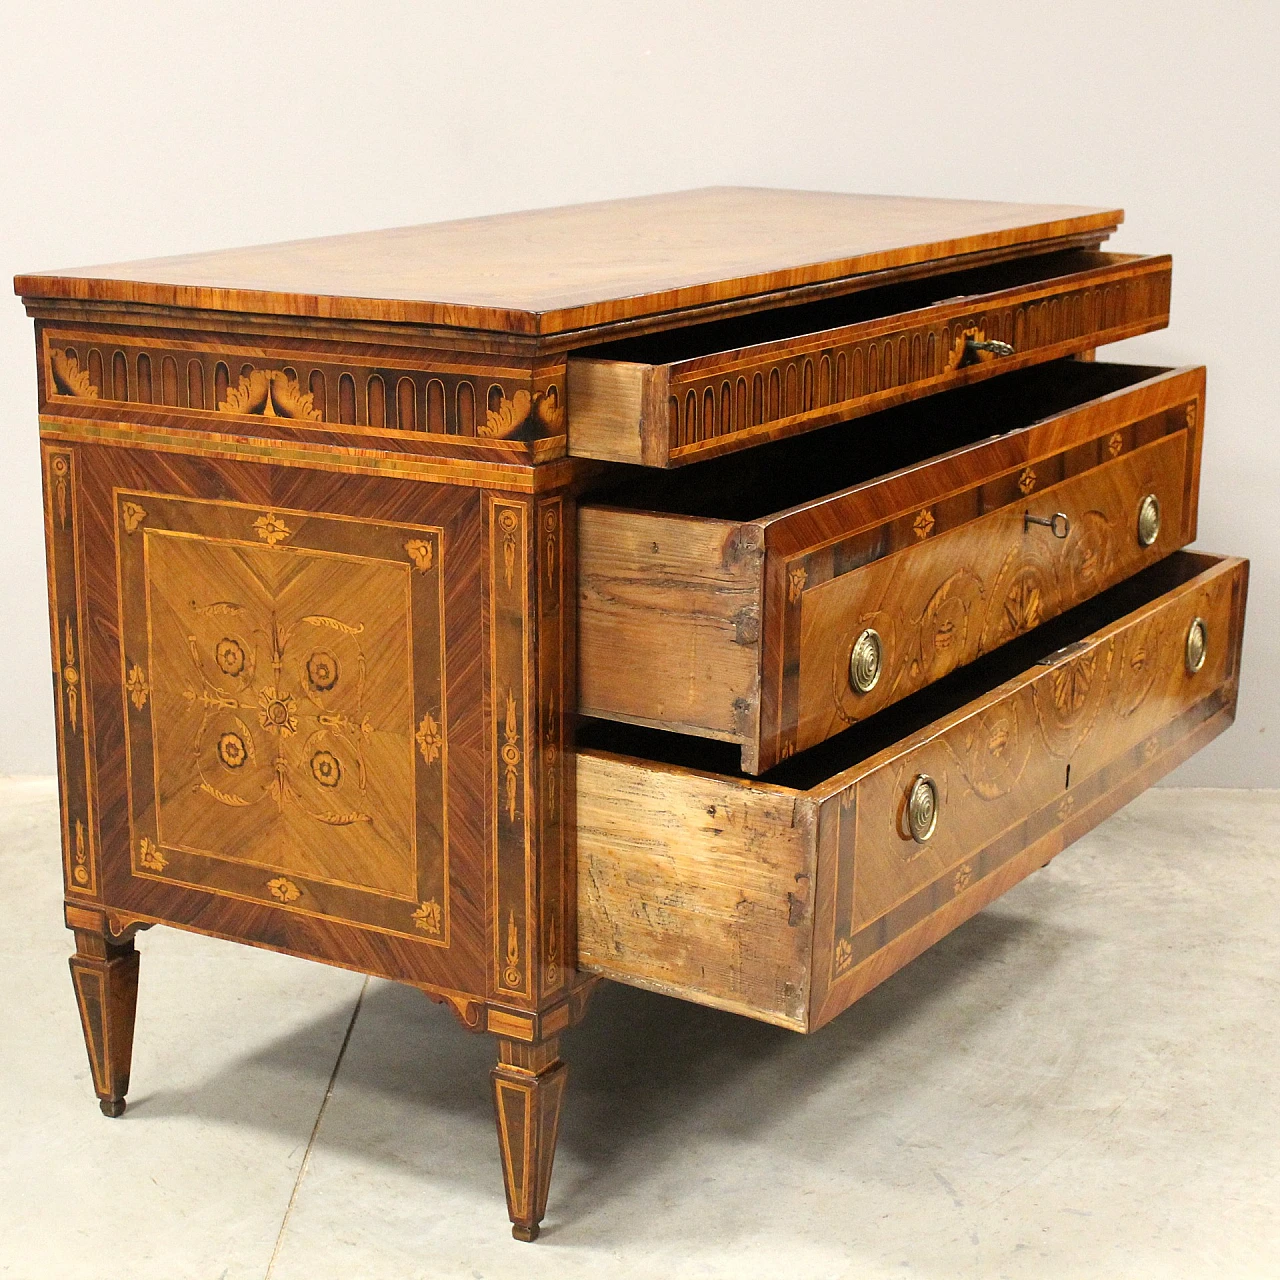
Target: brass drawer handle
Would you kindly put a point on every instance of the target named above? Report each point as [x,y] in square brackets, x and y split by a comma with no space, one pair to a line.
[1057,524]
[1148,519]
[1197,645]
[992,345]
[865,659]
[922,808]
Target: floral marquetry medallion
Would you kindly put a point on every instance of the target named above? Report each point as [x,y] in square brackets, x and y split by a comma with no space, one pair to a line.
[285,708]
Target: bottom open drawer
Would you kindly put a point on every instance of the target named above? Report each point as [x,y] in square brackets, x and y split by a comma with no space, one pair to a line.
[786,897]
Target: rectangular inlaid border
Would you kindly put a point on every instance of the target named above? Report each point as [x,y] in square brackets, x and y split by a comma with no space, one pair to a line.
[73,713]
[422,555]
[852,551]
[511,745]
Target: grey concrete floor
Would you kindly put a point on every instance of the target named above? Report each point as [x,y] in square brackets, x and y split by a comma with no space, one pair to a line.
[1081,1082]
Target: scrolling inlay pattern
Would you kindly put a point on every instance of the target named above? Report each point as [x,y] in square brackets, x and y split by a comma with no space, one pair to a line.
[933,616]
[1123,695]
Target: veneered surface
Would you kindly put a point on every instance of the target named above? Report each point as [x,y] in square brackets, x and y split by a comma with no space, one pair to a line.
[549,270]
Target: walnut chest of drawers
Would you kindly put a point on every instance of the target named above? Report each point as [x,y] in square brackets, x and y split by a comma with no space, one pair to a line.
[727,593]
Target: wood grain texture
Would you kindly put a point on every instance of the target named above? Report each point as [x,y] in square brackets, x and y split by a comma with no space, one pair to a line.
[675,889]
[695,886]
[549,270]
[715,650]
[721,395]
[671,595]
[378,392]
[104,973]
[949,598]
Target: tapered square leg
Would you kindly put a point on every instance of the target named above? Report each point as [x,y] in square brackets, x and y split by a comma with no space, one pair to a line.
[105,976]
[528,1086]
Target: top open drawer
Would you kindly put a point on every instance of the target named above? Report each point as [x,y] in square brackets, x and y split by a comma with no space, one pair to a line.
[681,395]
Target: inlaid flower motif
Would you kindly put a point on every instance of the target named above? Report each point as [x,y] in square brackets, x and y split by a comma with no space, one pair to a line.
[796,579]
[1065,805]
[322,671]
[1115,444]
[924,523]
[964,874]
[277,711]
[1027,480]
[149,856]
[137,686]
[427,917]
[232,750]
[844,955]
[132,515]
[283,890]
[271,529]
[325,769]
[420,552]
[228,653]
[430,739]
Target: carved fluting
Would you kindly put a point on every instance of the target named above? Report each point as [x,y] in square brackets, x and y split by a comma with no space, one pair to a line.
[778,386]
[226,379]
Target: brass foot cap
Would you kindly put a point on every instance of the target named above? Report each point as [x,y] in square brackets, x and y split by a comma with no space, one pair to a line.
[113,1107]
[527,1234]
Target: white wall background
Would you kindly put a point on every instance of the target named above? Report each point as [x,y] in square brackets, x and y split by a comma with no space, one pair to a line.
[146,128]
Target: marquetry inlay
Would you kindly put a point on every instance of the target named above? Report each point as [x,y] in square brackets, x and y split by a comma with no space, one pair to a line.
[286,713]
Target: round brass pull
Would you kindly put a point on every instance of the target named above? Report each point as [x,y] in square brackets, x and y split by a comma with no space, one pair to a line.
[865,659]
[1148,519]
[922,808]
[992,345]
[1197,645]
[1058,524]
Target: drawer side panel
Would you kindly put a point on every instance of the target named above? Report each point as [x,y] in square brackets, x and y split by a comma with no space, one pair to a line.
[695,886]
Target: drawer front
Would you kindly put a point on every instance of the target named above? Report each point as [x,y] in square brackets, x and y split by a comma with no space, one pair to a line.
[1026,770]
[687,409]
[744,631]
[952,597]
[788,902]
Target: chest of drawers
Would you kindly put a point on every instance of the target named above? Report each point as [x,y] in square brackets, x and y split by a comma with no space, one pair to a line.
[727,593]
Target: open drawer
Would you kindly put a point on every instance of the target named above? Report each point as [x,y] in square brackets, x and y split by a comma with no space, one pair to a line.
[789,897]
[776,597]
[669,398]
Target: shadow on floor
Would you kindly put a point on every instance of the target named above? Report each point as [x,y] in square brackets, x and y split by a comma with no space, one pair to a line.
[645,1071]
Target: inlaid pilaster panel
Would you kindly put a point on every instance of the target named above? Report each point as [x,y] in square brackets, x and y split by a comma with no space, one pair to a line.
[70,672]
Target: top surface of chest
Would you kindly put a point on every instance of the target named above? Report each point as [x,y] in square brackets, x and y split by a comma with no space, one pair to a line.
[549,271]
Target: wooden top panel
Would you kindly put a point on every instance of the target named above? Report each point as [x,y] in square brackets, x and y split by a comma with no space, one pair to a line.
[552,270]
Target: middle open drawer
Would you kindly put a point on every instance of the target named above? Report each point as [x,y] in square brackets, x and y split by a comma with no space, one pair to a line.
[775,597]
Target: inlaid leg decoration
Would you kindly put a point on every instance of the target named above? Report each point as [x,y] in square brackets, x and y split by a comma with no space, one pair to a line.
[528,1085]
[105,976]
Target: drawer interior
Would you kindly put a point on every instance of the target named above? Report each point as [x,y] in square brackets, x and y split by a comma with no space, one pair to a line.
[819,763]
[787,473]
[718,336]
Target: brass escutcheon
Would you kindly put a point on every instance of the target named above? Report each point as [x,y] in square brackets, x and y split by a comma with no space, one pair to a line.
[864,661]
[1148,519]
[1197,645]
[922,808]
